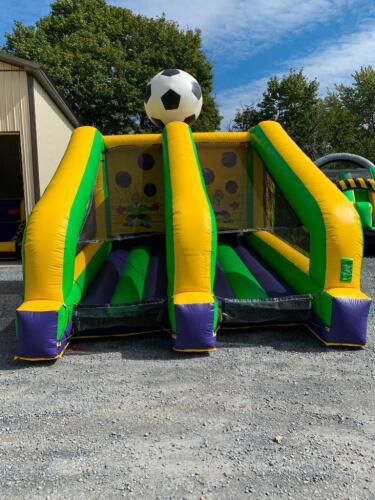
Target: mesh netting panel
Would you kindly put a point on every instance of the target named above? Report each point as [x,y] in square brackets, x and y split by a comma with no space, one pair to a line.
[294,308]
[281,219]
[89,227]
[125,318]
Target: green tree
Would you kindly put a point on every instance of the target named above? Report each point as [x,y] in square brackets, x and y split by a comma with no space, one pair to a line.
[247,117]
[294,102]
[337,126]
[351,115]
[100,58]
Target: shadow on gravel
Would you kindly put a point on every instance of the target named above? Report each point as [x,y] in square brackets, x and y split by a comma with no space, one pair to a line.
[10,298]
[11,288]
[287,338]
[158,346]
[281,338]
[7,346]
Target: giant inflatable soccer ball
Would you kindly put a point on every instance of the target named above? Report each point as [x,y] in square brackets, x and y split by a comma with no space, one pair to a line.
[173,95]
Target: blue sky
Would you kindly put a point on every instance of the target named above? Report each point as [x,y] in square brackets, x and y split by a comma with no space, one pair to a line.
[247,41]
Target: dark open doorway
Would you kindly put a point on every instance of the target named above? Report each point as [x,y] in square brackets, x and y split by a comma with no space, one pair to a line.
[12,206]
[11,183]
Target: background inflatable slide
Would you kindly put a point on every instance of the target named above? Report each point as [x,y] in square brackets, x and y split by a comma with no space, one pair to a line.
[186,232]
[357,184]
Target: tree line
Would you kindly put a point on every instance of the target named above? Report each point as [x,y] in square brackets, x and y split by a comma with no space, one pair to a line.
[341,121]
[100,58]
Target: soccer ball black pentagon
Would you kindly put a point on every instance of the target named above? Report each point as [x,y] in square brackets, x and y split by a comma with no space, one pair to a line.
[173,95]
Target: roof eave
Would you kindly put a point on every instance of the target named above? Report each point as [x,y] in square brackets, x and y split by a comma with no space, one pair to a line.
[45,82]
[36,70]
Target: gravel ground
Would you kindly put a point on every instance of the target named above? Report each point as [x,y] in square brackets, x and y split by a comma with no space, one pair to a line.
[130,418]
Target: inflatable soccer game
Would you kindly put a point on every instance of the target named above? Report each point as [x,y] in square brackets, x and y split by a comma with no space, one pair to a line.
[188,232]
[357,184]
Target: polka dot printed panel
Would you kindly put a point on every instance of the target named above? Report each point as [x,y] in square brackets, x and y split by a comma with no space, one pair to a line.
[225,175]
[136,189]
[136,186]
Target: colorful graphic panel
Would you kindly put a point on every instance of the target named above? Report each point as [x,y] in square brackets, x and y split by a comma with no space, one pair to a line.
[136,192]
[224,171]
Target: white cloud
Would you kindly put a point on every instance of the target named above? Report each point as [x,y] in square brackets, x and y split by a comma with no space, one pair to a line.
[242,27]
[231,100]
[336,63]
[238,29]
[330,64]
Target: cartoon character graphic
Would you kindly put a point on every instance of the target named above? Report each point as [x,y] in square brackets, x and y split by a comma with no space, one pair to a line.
[221,207]
[137,212]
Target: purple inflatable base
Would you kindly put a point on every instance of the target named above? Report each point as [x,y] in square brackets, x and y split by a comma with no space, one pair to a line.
[349,323]
[36,335]
[36,338]
[194,327]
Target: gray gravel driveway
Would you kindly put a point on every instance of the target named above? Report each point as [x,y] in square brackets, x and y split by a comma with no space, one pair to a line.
[131,419]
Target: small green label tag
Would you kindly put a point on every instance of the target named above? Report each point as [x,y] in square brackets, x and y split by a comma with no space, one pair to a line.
[346,269]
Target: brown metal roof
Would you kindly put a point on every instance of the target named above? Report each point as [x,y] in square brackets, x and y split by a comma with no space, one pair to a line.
[36,70]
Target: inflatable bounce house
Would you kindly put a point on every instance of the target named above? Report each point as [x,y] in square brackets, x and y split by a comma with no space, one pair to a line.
[358,185]
[186,232]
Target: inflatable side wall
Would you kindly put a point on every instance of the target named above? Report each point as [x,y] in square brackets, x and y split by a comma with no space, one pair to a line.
[332,271]
[55,278]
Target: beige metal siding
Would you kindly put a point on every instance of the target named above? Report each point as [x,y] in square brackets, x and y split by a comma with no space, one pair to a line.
[53,132]
[15,117]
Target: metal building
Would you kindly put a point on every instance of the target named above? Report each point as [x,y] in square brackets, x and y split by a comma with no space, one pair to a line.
[35,128]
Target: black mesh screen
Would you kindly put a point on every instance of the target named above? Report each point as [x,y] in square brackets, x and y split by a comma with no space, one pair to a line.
[123,318]
[88,230]
[283,220]
[293,308]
